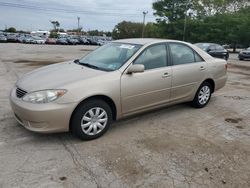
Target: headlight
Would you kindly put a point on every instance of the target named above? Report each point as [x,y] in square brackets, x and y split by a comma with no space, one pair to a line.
[44,96]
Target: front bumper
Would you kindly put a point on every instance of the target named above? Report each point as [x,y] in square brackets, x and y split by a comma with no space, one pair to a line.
[43,118]
[244,56]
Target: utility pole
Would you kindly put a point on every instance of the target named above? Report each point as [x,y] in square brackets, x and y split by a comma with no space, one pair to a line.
[185,21]
[185,27]
[78,25]
[143,27]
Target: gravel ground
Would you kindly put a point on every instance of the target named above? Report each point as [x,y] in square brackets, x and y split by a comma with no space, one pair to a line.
[178,146]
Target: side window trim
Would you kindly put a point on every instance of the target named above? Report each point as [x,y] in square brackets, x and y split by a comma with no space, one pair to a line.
[171,57]
[202,60]
[167,54]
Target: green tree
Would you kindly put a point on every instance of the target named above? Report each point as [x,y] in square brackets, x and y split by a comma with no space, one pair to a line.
[170,11]
[170,17]
[221,21]
[227,28]
[55,24]
[152,31]
[53,35]
[11,30]
[94,32]
[126,29]
[55,30]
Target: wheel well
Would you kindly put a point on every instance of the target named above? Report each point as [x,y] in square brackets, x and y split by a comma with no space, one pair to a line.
[108,100]
[211,82]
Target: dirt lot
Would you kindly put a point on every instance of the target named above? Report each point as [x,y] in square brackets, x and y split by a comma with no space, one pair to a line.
[177,146]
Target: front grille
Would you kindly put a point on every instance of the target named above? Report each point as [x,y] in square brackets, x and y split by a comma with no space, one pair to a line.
[20,93]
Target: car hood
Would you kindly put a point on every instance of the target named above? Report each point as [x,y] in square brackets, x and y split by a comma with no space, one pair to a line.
[245,51]
[56,76]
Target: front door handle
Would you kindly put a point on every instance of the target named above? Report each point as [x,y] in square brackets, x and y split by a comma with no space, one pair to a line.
[202,68]
[165,75]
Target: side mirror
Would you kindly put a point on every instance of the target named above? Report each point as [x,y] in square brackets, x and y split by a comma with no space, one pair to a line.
[209,50]
[76,61]
[136,69]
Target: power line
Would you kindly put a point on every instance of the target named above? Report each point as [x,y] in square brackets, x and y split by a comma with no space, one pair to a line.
[96,13]
[144,18]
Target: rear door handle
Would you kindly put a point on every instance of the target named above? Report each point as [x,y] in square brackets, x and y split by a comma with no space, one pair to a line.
[165,75]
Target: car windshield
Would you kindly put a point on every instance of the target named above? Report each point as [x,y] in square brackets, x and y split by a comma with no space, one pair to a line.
[248,49]
[110,57]
[203,46]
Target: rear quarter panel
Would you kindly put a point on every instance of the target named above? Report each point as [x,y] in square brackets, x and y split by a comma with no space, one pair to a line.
[218,72]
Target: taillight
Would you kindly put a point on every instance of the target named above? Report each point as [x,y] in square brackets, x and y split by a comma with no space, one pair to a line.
[226,65]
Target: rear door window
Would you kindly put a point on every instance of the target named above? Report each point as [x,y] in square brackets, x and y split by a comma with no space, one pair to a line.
[183,54]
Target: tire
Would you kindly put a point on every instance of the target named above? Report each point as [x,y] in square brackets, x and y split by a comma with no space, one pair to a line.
[200,102]
[82,119]
[241,59]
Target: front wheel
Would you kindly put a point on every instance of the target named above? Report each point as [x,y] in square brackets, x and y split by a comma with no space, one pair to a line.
[91,119]
[202,96]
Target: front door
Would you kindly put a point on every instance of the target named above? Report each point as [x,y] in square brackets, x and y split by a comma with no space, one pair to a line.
[140,91]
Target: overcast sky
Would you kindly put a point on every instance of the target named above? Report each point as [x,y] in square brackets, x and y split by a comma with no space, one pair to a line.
[94,14]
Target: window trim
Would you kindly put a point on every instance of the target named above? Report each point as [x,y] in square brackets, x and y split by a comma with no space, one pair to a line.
[212,45]
[171,57]
[156,44]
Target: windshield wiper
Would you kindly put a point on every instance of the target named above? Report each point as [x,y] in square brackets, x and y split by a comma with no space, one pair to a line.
[77,61]
[90,66]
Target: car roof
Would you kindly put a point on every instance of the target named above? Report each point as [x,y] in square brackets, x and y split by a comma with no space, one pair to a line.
[207,43]
[144,41]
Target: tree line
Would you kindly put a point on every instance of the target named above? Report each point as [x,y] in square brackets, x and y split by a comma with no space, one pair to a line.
[220,21]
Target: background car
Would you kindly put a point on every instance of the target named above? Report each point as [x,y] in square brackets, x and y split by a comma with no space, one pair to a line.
[84,41]
[100,42]
[244,54]
[62,41]
[29,40]
[20,38]
[92,41]
[50,41]
[11,38]
[38,40]
[214,50]
[3,38]
[72,41]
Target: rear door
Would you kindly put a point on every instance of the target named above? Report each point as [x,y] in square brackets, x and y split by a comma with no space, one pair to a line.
[188,71]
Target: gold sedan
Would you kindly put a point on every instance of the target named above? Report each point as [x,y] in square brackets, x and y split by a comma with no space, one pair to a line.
[119,79]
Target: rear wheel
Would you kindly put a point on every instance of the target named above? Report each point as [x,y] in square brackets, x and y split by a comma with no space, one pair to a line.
[203,95]
[91,119]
